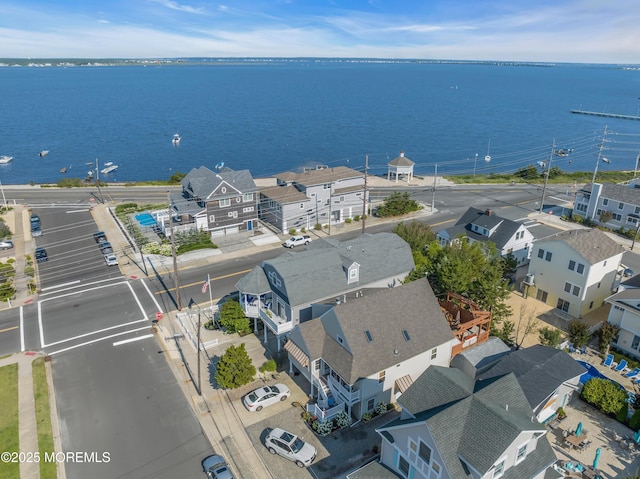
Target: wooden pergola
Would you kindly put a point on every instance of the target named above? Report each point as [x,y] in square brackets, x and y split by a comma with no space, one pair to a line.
[470,325]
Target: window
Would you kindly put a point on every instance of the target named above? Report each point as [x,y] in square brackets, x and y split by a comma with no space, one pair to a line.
[425,452]
[617,216]
[605,202]
[542,296]
[436,468]
[620,206]
[403,466]
[591,305]
[371,404]
[499,470]
[540,253]
[580,269]
[224,202]
[353,273]
[434,353]
[563,305]
[572,288]
[341,199]
[248,209]
[212,218]
[637,210]
[232,214]
[339,339]
[548,256]
[381,376]
[572,265]
[247,197]
[522,453]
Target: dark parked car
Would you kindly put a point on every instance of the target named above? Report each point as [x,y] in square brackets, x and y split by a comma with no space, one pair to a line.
[105,248]
[100,237]
[41,255]
[216,468]
[35,221]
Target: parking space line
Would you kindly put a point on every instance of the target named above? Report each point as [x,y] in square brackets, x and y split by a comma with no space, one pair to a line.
[135,296]
[97,340]
[151,295]
[131,340]
[61,285]
[87,284]
[94,332]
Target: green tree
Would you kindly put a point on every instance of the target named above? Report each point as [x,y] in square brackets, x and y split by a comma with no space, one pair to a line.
[527,173]
[604,394]
[606,334]
[176,178]
[554,172]
[232,317]
[396,204]
[605,216]
[622,413]
[634,422]
[506,332]
[578,333]
[417,234]
[234,368]
[549,336]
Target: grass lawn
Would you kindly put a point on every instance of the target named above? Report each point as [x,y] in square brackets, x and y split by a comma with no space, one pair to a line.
[48,469]
[9,437]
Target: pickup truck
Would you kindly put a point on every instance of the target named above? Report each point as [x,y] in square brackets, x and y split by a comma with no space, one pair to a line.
[296,241]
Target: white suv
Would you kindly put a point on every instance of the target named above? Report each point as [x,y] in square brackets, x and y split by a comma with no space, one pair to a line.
[111,259]
[290,446]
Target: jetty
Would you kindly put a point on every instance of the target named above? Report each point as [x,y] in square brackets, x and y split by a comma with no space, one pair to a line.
[608,115]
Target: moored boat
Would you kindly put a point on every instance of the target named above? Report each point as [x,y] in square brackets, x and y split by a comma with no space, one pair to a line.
[109,169]
[176,139]
[4,159]
[43,153]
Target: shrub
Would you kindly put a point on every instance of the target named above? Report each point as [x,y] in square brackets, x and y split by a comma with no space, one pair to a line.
[292,231]
[318,226]
[323,427]
[549,336]
[367,416]
[634,422]
[232,317]
[622,413]
[356,218]
[306,416]
[396,204]
[381,408]
[560,413]
[234,368]
[578,333]
[269,366]
[342,420]
[126,208]
[347,220]
[604,394]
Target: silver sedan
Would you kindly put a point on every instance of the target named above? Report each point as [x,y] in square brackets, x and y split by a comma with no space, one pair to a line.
[266,396]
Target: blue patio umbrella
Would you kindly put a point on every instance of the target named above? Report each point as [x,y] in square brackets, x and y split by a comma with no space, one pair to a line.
[579,429]
[636,436]
[595,460]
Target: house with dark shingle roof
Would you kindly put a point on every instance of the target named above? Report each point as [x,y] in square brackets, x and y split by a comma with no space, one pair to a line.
[280,292]
[548,377]
[573,270]
[621,201]
[221,203]
[369,349]
[484,225]
[625,313]
[452,427]
[315,196]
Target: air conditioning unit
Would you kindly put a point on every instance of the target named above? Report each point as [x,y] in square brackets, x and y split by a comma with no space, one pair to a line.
[529,279]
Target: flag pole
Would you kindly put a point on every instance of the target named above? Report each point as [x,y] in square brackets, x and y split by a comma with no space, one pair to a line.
[210,298]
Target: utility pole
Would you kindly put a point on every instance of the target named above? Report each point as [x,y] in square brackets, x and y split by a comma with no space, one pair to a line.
[635,171]
[364,200]
[595,171]
[173,253]
[474,166]
[433,197]
[546,174]
[199,374]
[98,181]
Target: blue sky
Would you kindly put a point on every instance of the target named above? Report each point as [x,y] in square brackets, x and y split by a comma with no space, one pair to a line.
[597,31]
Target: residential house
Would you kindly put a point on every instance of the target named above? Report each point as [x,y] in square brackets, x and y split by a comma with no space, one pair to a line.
[621,202]
[400,166]
[574,270]
[221,203]
[453,427]
[548,377]
[369,349]
[625,313]
[279,293]
[337,193]
[484,225]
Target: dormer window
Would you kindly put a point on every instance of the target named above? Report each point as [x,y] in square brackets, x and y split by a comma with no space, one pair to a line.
[353,272]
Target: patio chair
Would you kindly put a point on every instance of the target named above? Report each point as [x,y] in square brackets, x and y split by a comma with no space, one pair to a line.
[622,366]
[572,349]
[583,350]
[608,360]
[632,373]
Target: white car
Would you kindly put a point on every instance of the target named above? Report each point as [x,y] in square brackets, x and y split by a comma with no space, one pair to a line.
[266,396]
[290,446]
[6,244]
[297,240]
[111,259]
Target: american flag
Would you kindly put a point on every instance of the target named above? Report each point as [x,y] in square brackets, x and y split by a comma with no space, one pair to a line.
[205,286]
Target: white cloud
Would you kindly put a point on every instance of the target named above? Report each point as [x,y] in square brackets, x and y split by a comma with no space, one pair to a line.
[181,7]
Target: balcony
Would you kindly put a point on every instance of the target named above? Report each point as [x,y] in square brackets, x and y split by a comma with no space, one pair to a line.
[324,414]
[277,324]
[342,393]
[251,310]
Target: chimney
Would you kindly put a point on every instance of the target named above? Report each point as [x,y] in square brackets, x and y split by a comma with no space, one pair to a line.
[402,153]
[488,212]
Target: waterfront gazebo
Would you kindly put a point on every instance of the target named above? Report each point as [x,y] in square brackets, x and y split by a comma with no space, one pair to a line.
[400,166]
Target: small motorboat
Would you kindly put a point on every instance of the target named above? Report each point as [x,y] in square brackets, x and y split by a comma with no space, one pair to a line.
[43,153]
[109,169]
[63,170]
[219,165]
[176,139]
[4,159]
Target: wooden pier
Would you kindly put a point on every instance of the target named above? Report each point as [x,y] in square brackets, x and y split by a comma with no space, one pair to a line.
[608,115]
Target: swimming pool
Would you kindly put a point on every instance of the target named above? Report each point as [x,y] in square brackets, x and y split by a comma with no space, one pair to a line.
[592,372]
[145,219]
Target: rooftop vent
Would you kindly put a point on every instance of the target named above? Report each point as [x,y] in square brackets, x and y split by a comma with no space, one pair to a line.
[405,333]
[367,333]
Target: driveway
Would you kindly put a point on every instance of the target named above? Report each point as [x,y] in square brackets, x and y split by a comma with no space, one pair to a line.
[338,453]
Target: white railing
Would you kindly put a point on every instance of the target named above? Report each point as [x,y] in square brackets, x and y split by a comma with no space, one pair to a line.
[325,414]
[277,324]
[339,390]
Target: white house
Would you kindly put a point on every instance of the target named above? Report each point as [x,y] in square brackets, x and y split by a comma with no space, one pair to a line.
[484,225]
[622,202]
[280,292]
[369,349]
[625,313]
[453,427]
[573,270]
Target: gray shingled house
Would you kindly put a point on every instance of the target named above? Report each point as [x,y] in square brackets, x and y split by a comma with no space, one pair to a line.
[452,427]
[279,292]
[368,350]
[573,270]
[622,201]
[221,203]
[548,377]
[484,225]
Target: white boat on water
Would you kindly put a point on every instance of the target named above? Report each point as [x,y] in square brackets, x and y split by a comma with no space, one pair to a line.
[4,159]
[109,169]
[43,153]
[176,139]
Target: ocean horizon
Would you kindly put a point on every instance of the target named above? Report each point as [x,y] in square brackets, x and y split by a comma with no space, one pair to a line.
[275,115]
